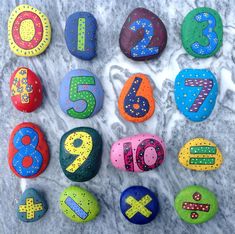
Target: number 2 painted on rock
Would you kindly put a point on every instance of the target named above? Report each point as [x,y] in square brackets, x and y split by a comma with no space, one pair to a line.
[141,49]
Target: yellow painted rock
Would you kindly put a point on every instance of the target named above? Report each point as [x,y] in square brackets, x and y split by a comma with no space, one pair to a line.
[29,31]
[201,155]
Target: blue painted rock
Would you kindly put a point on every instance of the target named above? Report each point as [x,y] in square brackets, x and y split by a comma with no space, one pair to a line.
[139,205]
[139,153]
[32,206]
[81,94]
[80,153]
[26,90]
[80,35]
[28,154]
[143,35]
[79,205]
[195,93]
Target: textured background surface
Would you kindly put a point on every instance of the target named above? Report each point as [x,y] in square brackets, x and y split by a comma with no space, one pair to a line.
[113,69]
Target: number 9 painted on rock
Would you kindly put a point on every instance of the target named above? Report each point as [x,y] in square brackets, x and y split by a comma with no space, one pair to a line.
[81,94]
[202,32]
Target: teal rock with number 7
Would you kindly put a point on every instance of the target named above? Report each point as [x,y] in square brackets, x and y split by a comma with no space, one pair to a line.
[81,94]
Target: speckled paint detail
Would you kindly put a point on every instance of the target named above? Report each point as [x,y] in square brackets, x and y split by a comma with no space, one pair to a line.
[81,94]
[200,154]
[202,32]
[78,204]
[29,31]
[80,35]
[143,35]
[136,102]
[196,91]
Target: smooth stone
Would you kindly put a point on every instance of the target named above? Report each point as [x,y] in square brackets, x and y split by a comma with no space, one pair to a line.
[202,32]
[29,31]
[80,153]
[81,94]
[196,91]
[26,90]
[79,205]
[201,155]
[139,205]
[139,153]
[32,206]
[136,102]
[28,153]
[143,35]
[196,204]
[80,35]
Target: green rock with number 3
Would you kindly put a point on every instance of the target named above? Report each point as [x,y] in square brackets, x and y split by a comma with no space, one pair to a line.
[80,153]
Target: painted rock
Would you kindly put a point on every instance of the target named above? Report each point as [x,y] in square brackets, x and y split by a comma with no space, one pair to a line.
[80,153]
[81,94]
[202,32]
[196,204]
[28,154]
[139,153]
[29,31]
[26,90]
[79,205]
[195,93]
[80,35]
[201,155]
[136,102]
[143,35]
[139,205]
[32,206]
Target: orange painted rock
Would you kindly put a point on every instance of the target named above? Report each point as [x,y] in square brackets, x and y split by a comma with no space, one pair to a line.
[136,102]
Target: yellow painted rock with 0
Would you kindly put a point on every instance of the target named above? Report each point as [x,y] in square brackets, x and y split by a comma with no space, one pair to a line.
[29,31]
[201,155]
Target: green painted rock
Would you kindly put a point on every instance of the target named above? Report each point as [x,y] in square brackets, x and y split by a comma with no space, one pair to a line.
[78,204]
[80,153]
[202,32]
[196,204]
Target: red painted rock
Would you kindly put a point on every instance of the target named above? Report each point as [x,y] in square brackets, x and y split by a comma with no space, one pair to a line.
[28,154]
[143,35]
[26,90]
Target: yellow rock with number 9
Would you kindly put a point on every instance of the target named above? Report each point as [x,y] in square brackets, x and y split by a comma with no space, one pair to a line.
[201,155]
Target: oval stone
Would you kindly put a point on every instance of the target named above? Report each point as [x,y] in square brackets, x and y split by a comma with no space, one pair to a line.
[196,204]
[80,153]
[26,90]
[81,94]
[29,31]
[78,204]
[143,35]
[202,32]
[28,154]
[196,91]
[139,205]
[32,206]
[139,153]
[201,155]
[80,35]
[136,102]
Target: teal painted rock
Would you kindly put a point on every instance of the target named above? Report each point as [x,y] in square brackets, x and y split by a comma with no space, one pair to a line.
[78,204]
[196,204]
[80,153]
[32,206]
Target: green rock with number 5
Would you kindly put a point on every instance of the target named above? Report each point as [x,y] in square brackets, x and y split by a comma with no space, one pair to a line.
[80,153]
[81,94]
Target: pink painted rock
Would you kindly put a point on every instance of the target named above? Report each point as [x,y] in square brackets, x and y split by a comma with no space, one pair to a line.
[139,153]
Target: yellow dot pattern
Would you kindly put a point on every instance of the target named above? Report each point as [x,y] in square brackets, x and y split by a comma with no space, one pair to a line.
[27,30]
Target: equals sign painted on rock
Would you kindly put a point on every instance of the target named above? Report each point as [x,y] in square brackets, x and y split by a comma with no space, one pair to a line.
[199,150]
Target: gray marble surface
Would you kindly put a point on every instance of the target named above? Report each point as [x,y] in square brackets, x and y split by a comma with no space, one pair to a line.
[113,68]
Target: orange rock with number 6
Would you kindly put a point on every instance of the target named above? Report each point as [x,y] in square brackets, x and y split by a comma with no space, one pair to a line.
[136,102]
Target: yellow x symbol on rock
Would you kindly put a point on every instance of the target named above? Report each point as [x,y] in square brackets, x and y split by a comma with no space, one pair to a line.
[138,206]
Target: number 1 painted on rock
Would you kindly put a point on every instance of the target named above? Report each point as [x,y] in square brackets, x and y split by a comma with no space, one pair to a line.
[81,34]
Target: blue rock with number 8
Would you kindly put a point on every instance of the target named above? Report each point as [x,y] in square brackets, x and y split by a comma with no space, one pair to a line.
[196,91]
[81,94]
